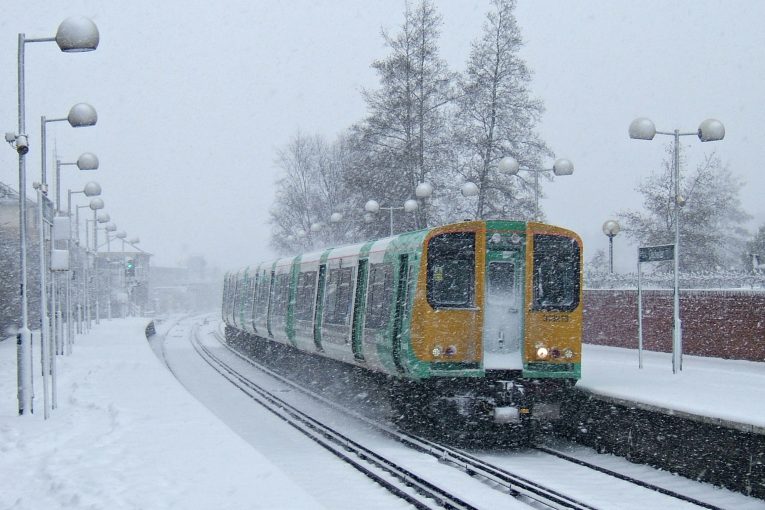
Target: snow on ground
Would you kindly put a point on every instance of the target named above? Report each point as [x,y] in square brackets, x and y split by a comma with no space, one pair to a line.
[725,389]
[127,435]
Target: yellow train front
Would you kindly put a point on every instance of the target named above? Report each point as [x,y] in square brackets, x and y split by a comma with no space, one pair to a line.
[480,319]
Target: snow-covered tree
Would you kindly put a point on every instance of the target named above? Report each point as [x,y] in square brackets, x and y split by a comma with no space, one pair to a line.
[405,131]
[496,117]
[711,221]
[311,191]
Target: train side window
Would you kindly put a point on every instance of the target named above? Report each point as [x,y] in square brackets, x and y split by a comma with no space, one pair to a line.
[556,273]
[281,295]
[306,286]
[339,296]
[379,295]
[451,270]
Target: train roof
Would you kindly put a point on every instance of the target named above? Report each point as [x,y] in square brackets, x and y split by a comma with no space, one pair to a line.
[375,249]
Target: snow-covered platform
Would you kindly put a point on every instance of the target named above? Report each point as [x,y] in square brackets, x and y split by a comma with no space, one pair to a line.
[126,435]
[711,390]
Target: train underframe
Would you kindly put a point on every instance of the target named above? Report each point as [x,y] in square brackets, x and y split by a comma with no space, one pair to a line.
[501,401]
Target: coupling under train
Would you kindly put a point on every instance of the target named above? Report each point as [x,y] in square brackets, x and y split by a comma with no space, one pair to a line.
[478,319]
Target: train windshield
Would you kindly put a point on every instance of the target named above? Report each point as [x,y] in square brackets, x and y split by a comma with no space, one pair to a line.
[451,270]
[556,273]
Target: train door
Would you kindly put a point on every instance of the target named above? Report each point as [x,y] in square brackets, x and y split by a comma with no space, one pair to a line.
[318,309]
[357,325]
[503,311]
[401,297]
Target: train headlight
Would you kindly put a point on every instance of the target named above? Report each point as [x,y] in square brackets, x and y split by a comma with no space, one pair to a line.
[451,350]
[542,352]
[436,351]
[568,353]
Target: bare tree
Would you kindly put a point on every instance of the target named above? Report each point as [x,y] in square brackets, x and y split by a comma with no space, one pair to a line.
[496,117]
[312,189]
[711,221]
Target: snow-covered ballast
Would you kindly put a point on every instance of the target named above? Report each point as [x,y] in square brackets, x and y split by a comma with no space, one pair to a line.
[483,316]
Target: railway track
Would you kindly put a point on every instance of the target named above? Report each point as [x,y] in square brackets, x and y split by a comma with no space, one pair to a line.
[398,480]
[516,486]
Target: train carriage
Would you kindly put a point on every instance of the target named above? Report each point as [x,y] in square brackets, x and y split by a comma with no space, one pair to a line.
[485,317]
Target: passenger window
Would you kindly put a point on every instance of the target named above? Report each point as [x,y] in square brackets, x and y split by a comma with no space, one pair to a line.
[339,296]
[379,295]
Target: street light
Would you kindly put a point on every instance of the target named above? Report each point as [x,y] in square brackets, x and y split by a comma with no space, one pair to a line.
[422,191]
[96,204]
[87,161]
[561,167]
[611,228]
[80,115]
[73,35]
[710,130]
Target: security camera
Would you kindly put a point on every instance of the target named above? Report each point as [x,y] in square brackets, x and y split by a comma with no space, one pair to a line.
[22,144]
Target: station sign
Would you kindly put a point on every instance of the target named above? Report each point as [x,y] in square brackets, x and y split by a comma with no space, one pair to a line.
[656,253]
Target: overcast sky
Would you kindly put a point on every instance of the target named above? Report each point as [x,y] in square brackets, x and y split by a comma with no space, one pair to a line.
[194,98]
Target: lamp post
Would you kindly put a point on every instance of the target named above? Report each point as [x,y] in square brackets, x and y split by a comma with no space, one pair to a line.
[74,34]
[86,161]
[422,191]
[710,130]
[96,204]
[111,227]
[91,189]
[611,228]
[561,167]
[121,235]
[80,115]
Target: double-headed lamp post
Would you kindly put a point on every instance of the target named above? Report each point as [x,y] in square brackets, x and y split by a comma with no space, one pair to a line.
[611,228]
[422,191]
[561,167]
[710,130]
[74,34]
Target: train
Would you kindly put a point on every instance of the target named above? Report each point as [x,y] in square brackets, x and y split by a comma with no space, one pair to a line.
[476,320]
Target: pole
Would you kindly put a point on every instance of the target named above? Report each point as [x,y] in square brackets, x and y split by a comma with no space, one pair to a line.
[44,347]
[536,195]
[109,276]
[611,254]
[640,315]
[391,220]
[95,266]
[24,338]
[68,307]
[677,332]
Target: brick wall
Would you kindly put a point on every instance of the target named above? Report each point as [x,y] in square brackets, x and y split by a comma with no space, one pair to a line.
[723,324]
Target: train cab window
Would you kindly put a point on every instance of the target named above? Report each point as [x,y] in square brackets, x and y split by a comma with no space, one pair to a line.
[451,270]
[556,273]
[339,296]
[502,283]
[306,289]
[379,295]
